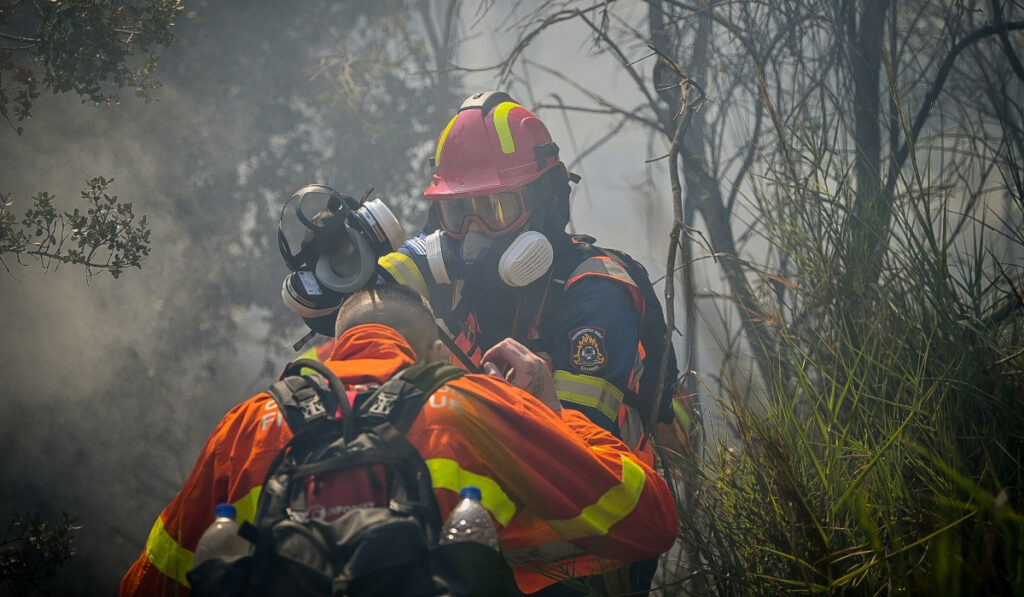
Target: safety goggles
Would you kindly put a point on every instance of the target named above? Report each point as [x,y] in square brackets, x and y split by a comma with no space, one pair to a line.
[495,214]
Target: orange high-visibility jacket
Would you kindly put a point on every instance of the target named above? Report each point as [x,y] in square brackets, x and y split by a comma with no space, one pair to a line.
[555,483]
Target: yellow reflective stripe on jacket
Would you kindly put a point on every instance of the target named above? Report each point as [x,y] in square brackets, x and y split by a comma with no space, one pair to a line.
[245,506]
[508,144]
[445,473]
[614,505]
[440,141]
[587,390]
[173,560]
[403,269]
[309,354]
[167,555]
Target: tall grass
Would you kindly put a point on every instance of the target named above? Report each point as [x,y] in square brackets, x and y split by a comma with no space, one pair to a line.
[885,455]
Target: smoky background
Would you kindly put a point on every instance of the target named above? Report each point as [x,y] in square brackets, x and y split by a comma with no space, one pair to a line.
[110,387]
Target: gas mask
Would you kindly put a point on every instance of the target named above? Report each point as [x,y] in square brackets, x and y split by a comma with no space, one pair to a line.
[517,259]
[338,253]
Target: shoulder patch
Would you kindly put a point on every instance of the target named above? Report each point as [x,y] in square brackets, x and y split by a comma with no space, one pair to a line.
[587,346]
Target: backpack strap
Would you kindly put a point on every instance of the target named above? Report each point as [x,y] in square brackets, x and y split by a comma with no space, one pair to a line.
[399,400]
[565,264]
[305,401]
[391,410]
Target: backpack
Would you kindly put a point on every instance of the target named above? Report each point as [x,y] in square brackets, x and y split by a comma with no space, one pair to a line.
[652,328]
[347,507]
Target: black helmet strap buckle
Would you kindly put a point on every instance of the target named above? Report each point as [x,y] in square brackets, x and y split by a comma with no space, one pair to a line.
[486,100]
[544,151]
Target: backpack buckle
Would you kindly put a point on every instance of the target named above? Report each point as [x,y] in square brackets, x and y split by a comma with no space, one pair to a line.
[383,403]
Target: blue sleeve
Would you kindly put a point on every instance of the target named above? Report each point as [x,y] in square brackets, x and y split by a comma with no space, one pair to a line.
[408,266]
[594,349]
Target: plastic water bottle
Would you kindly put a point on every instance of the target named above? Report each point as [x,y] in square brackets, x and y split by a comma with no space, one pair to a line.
[470,521]
[221,539]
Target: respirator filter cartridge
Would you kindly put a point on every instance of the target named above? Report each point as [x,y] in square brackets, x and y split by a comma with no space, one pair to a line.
[526,259]
[306,298]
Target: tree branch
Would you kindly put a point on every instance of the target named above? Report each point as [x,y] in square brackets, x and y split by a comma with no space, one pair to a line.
[28,40]
[933,93]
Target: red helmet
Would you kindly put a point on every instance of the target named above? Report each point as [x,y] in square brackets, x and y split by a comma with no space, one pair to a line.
[491,145]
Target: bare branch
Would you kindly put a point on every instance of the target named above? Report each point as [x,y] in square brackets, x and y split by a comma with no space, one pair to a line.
[28,40]
[1004,39]
[933,93]
[626,64]
[505,66]
[608,111]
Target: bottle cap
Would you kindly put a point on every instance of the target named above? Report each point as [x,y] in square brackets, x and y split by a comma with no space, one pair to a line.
[225,511]
[471,492]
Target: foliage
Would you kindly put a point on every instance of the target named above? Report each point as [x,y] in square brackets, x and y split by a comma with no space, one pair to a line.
[343,94]
[869,323]
[891,460]
[212,182]
[32,549]
[105,237]
[94,48]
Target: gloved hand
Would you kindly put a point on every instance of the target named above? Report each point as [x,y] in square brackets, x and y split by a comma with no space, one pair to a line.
[521,367]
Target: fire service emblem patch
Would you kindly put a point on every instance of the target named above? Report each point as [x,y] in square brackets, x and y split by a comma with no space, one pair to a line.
[588,351]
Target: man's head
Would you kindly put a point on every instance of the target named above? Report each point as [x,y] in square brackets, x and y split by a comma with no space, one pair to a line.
[398,307]
[496,169]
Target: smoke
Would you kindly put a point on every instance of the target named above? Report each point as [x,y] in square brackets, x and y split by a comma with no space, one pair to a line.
[111,386]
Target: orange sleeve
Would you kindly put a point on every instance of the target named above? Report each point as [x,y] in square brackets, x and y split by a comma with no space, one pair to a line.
[652,524]
[230,469]
[579,479]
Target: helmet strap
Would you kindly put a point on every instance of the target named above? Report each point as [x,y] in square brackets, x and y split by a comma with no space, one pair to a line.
[544,151]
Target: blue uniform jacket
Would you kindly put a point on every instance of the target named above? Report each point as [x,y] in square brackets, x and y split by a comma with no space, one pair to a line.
[586,325]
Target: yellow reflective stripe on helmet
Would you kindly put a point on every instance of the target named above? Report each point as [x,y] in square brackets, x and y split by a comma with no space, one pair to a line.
[440,141]
[614,505]
[587,390]
[445,473]
[167,555]
[508,144]
[403,269]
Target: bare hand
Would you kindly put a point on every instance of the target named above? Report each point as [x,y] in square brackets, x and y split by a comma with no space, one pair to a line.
[518,365]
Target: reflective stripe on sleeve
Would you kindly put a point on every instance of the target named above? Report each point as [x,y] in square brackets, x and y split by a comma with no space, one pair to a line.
[614,505]
[445,473]
[245,506]
[587,390]
[171,558]
[309,354]
[403,269]
[599,266]
[508,144]
[167,555]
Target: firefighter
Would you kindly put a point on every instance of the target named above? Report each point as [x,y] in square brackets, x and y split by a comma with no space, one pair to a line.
[608,506]
[500,264]
[496,262]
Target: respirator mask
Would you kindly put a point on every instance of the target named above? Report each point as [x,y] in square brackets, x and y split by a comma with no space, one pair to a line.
[517,259]
[341,241]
